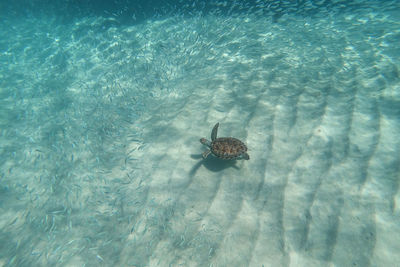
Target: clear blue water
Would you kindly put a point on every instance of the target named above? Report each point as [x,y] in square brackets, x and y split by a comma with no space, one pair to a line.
[102,108]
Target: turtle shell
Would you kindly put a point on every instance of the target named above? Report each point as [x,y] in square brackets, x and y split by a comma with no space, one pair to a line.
[228,148]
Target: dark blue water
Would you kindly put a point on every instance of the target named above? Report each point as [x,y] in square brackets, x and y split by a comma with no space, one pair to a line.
[102,107]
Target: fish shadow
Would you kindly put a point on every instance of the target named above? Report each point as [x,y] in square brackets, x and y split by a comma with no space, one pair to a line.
[212,163]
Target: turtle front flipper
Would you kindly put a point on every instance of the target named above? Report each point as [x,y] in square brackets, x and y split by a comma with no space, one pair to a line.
[214,132]
[206,153]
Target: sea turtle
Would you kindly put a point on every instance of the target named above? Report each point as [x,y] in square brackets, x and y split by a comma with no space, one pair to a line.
[224,147]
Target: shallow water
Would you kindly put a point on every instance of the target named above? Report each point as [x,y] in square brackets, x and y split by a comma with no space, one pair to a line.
[101,112]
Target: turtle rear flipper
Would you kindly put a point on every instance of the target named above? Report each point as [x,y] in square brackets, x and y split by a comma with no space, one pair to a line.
[214,132]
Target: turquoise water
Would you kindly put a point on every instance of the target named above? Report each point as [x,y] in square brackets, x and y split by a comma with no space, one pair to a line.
[102,109]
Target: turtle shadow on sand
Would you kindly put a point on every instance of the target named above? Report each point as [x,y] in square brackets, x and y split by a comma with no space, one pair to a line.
[213,164]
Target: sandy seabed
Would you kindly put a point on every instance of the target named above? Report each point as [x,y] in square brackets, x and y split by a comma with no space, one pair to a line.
[100,159]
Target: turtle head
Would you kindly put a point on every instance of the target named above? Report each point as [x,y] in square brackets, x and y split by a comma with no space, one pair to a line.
[205,142]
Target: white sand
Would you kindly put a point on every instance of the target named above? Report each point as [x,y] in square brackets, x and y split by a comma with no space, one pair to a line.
[100,153]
